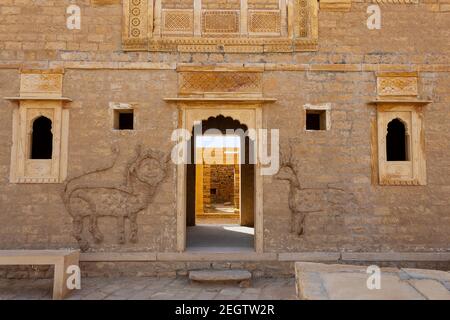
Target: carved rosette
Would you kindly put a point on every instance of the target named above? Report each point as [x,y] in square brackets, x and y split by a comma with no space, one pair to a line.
[136,24]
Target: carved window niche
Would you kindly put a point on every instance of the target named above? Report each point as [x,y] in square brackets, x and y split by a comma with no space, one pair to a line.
[220,26]
[400,130]
[40,129]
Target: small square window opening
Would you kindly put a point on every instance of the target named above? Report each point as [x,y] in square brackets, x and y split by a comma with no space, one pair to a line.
[316,120]
[124,119]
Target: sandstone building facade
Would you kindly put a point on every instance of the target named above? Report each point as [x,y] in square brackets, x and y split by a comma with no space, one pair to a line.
[88,114]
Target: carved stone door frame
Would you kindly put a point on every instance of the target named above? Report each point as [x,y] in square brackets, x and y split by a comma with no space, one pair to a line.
[248,113]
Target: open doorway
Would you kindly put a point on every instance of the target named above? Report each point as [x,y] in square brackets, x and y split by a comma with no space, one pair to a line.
[220,188]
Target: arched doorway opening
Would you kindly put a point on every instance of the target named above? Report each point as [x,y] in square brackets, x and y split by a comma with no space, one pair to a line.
[220,186]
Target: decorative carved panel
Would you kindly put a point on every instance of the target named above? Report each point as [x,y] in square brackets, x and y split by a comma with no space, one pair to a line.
[219,82]
[264,21]
[136,23]
[40,84]
[231,26]
[178,21]
[220,22]
[397,84]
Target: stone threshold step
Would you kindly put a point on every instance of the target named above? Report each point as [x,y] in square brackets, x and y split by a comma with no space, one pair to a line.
[243,277]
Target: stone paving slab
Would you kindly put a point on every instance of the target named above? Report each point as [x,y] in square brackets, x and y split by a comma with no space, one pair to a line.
[147,288]
[316,281]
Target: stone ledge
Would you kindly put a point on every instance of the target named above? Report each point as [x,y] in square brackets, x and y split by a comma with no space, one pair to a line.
[117,256]
[310,256]
[355,67]
[395,256]
[282,257]
[199,256]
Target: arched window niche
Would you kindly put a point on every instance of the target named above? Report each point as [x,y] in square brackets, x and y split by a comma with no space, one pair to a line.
[40,128]
[401,144]
[397,141]
[41,139]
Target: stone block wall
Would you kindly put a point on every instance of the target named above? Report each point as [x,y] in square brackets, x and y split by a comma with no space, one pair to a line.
[342,72]
[222,179]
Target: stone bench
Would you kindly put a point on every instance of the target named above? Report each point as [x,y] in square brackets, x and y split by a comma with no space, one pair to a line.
[61,259]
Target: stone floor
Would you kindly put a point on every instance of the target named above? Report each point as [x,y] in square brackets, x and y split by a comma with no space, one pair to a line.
[220,238]
[318,281]
[142,288]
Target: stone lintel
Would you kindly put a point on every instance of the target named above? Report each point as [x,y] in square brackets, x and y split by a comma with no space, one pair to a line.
[39,98]
[401,101]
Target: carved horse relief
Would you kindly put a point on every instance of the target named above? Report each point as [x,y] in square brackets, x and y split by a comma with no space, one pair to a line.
[143,176]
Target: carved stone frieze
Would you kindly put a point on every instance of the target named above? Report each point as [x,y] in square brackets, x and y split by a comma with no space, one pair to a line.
[393,84]
[216,82]
[211,27]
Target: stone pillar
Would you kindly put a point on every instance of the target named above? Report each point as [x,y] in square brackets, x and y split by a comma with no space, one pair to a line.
[206,186]
[237,185]
[244,15]
[199,189]
[197,18]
